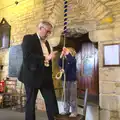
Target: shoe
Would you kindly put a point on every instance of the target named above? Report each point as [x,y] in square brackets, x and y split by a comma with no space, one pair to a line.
[65,113]
[73,115]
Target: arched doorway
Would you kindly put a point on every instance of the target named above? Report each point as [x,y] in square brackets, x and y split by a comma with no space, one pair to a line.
[87,63]
[87,67]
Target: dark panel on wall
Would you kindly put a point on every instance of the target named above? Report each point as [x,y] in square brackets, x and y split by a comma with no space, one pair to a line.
[15,60]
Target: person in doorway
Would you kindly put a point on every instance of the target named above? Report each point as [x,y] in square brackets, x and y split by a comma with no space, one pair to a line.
[71,83]
[36,71]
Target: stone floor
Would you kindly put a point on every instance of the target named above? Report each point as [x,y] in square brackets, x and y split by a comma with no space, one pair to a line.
[5,114]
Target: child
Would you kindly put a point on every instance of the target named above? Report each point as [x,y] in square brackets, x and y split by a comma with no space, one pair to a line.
[71,83]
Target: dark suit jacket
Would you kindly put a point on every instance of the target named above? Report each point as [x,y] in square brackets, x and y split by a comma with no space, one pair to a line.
[33,72]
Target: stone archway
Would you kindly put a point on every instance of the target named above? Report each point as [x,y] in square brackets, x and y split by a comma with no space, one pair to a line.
[78,11]
[78,38]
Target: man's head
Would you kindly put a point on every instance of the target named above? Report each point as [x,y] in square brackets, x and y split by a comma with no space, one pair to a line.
[44,29]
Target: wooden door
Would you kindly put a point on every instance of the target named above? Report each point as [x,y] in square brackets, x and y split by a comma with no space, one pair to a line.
[87,68]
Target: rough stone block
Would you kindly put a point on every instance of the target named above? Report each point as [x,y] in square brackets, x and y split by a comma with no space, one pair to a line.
[110,102]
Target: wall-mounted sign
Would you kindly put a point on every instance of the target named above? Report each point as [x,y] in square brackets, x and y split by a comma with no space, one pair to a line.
[111,55]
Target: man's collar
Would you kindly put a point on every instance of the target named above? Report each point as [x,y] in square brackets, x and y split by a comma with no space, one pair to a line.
[40,38]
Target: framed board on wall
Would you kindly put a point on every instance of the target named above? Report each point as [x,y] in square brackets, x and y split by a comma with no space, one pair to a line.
[111,55]
[15,60]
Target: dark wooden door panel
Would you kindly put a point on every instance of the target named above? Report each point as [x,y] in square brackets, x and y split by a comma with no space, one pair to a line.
[88,68]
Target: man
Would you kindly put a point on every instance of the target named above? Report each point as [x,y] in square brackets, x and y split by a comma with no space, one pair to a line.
[36,71]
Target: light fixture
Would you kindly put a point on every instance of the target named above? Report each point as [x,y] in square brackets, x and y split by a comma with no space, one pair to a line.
[16,2]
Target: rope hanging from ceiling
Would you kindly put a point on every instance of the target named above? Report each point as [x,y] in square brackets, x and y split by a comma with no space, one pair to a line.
[59,74]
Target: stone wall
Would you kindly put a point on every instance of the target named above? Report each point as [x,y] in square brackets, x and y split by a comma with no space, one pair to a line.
[109,77]
[23,19]
[109,84]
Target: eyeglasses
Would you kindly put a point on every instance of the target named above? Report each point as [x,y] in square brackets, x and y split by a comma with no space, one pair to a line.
[48,31]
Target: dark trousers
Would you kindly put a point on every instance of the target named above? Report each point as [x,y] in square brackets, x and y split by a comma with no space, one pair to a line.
[49,98]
